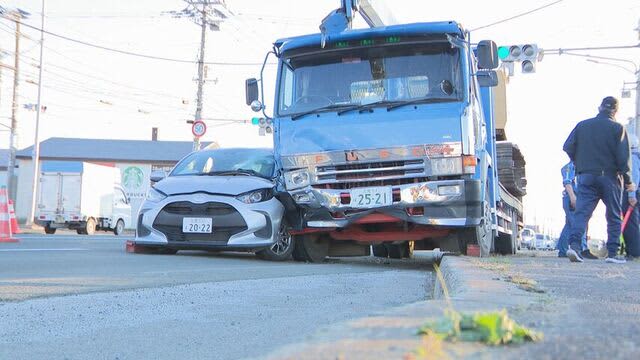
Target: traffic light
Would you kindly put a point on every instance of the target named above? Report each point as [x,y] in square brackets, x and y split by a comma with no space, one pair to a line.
[527,54]
[266,125]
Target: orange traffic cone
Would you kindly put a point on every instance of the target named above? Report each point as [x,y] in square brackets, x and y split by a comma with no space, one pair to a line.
[15,229]
[5,221]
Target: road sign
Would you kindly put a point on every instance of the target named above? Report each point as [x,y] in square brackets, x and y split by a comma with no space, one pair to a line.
[199,128]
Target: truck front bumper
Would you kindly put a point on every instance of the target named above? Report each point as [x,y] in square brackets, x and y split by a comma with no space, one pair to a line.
[454,203]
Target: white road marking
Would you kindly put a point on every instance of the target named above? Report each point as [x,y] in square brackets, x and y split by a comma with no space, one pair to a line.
[27,250]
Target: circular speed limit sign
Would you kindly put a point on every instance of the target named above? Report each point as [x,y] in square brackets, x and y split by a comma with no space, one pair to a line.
[199,128]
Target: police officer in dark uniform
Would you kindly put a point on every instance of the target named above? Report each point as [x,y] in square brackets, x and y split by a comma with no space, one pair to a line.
[599,148]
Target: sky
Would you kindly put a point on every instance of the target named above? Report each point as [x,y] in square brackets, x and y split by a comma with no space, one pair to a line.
[92,93]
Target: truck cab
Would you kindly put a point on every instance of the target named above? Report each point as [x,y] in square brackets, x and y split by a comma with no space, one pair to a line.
[381,137]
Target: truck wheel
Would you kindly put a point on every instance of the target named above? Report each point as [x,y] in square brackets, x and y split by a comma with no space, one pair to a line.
[282,248]
[49,230]
[380,251]
[311,248]
[400,251]
[90,227]
[80,231]
[483,233]
[504,244]
[119,228]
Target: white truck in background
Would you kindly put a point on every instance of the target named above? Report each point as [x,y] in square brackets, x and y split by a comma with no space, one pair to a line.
[81,196]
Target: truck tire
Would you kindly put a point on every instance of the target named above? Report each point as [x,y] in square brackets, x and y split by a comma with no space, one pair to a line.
[282,248]
[483,234]
[119,228]
[49,230]
[379,250]
[400,251]
[80,231]
[505,244]
[90,227]
[311,248]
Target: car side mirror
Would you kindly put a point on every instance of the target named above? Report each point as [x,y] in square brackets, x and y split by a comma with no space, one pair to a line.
[251,90]
[487,78]
[488,55]
[157,175]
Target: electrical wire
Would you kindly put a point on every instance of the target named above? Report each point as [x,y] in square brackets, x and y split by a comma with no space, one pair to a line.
[518,15]
[125,52]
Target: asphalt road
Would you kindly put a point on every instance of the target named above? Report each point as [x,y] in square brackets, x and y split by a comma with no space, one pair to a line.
[77,297]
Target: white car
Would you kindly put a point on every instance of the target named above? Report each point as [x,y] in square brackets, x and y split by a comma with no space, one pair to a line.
[544,242]
[220,199]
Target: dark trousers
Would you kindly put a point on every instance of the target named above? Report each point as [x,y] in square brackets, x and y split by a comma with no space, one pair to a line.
[632,230]
[592,189]
[563,241]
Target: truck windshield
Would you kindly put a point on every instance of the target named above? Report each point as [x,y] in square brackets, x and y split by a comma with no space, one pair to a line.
[391,74]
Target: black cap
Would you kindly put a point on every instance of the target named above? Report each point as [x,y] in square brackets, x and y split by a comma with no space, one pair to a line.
[609,103]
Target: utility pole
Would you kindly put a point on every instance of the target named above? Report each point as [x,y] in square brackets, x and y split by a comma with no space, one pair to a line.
[14,110]
[205,13]
[36,142]
[198,115]
[638,92]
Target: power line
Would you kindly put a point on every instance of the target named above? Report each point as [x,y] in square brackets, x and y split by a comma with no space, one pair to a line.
[517,16]
[125,52]
[561,51]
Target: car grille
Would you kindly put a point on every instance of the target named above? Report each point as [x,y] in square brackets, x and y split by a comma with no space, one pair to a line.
[227,221]
[369,174]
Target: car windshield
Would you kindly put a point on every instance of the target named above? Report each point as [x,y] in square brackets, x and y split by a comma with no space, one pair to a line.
[255,162]
[335,80]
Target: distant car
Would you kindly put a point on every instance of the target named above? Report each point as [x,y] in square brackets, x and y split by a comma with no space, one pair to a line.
[528,236]
[217,199]
[544,242]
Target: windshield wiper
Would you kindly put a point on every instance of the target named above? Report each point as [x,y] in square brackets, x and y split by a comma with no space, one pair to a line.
[368,106]
[418,101]
[322,109]
[232,173]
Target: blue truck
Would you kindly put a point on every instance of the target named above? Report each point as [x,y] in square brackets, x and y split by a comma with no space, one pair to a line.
[387,140]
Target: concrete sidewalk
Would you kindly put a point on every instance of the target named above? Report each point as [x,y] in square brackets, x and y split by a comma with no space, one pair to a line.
[588,311]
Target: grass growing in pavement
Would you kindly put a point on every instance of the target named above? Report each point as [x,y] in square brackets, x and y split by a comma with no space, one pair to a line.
[492,328]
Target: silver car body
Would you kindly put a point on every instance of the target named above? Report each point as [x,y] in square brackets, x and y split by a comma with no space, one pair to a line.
[236,224]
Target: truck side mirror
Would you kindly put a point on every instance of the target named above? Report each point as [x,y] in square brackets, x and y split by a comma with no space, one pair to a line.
[251,90]
[157,175]
[488,55]
[487,78]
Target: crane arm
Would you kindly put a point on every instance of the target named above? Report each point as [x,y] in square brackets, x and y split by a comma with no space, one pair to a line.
[374,12]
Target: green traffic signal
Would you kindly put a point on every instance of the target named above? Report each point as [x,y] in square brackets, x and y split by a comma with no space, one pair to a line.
[255,121]
[503,52]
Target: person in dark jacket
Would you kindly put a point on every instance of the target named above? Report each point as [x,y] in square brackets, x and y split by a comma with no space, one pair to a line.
[599,149]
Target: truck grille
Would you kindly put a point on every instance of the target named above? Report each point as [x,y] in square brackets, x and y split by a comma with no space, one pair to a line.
[227,221]
[369,174]
[360,184]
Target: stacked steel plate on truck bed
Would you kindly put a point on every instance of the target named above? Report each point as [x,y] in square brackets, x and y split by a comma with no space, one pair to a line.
[511,168]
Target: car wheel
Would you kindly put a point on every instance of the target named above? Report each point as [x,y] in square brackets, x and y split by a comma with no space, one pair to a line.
[80,232]
[166,251]
[119,228]
[400,251]
[281,249]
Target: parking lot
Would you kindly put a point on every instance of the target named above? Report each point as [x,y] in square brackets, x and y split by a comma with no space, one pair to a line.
[60,293]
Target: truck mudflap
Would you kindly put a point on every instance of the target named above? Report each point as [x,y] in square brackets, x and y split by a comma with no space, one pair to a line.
[418,203]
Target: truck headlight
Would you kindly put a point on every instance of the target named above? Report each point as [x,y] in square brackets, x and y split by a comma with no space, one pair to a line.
[155,195]
[256,196]
[297,179]
[446,166]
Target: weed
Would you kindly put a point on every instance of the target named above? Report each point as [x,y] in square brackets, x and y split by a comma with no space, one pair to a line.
[492,328]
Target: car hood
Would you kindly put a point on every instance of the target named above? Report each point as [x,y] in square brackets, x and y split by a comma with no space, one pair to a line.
[411,125]
[223,185]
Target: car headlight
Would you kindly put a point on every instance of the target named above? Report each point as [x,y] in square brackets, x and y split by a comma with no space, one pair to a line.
[256,196]
[297,179]
[155,195]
